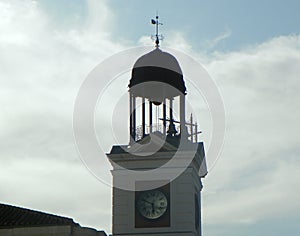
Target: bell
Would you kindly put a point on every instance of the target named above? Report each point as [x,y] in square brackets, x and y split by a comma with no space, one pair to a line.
[156,103]
[172,130]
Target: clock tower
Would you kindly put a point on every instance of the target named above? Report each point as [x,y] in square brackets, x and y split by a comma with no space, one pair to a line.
[157,175]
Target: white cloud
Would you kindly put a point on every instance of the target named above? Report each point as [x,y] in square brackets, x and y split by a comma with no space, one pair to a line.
[256,176]
[215,41]
[42,67]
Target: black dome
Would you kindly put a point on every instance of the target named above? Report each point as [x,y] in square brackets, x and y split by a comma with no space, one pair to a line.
[157,66]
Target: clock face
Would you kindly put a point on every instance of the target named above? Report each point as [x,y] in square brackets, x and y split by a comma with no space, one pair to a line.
[152,204]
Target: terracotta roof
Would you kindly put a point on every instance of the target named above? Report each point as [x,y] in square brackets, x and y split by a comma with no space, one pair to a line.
[12,216]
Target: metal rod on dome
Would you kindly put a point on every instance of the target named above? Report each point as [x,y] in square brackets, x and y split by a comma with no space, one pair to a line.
[157,39]
[171,111]
[134,118]
[157,117]
[164,116]
[143,117]
[196,132]
[178,122]
[157,36]
[150,116]
[172,129]
[182,115]
[131,118]
[191,127]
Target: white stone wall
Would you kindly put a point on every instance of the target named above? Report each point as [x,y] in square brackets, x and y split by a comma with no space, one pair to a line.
[182,207]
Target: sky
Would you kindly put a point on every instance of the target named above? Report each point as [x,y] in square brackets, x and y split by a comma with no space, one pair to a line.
[251,49]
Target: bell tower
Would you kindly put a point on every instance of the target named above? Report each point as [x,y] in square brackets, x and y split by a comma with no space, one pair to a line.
[157,175]
[157,80]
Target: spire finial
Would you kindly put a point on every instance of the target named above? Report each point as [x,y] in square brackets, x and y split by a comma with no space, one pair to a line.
[157,36]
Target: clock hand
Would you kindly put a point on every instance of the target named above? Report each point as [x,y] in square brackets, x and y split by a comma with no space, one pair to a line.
[147,202]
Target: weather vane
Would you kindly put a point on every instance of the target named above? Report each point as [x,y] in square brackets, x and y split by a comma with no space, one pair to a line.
[157,36]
